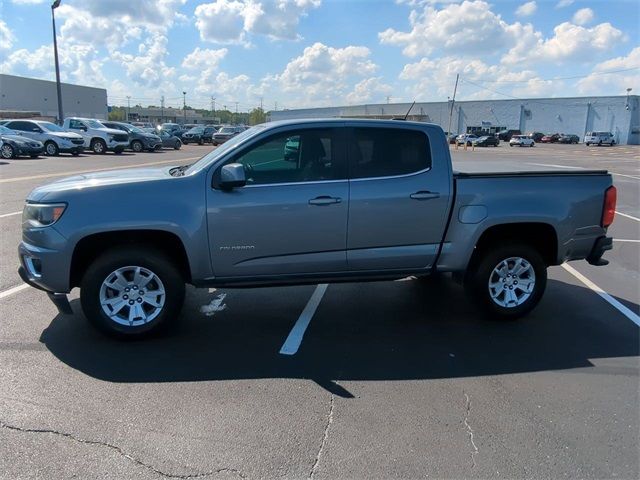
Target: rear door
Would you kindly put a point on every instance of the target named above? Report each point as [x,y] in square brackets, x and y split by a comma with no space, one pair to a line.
[291,217]
[399,195]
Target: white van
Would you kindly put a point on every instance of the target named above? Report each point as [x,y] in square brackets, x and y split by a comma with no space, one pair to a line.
[599,138]
[96,136]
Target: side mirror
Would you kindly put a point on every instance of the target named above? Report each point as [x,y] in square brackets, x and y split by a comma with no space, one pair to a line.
[232,176]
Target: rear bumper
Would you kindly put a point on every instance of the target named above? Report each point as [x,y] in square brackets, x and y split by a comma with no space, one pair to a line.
[601,245]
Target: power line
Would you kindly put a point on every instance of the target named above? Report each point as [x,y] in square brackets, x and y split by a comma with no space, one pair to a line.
[561,78]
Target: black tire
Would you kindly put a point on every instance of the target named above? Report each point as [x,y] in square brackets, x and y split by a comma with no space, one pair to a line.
[482,269]
[75,153]
[137,146]
[613,142]
[177,145]
[143,256]
[587,144]
[7,151]
[34,156]
[600,143]
[118,150]
[200,142]
[98,146]
[51,149]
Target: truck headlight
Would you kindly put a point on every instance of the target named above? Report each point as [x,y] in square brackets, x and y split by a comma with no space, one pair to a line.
[42,214]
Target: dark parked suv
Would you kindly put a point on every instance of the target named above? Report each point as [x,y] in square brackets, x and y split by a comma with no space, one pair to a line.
[139,139]
[209,131]
[505,135]
[195,135]
[225,133]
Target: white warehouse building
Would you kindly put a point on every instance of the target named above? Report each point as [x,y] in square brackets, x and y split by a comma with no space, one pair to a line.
[22,96]
[578,115]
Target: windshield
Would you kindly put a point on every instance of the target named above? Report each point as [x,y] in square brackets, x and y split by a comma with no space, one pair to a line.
[227,130]
[196,130]
[6,131]
[95,124]
[224,148]
[134,129]
[51,127]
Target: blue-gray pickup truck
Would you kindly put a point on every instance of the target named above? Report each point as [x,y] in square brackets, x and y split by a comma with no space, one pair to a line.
[304,202]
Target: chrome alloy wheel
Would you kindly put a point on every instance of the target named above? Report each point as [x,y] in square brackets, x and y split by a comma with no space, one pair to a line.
[512,282]
[132,296]
[6,151]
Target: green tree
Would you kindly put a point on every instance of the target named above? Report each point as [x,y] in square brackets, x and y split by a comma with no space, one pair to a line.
[256,116]
[118,114]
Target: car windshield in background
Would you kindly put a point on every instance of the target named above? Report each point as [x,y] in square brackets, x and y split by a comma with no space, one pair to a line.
[51,127]
[95,124]
[134,129]
[227,130]
[224,148]
[196,130]
[6,131]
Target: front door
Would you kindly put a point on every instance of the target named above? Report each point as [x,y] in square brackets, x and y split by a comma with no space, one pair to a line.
[291,217]
[398,199]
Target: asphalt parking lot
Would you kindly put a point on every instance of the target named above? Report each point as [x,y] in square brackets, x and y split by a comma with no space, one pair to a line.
[391,379]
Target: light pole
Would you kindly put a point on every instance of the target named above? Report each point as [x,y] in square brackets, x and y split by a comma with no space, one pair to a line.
[184,107]
[55,5]
[627,106]
[128,107]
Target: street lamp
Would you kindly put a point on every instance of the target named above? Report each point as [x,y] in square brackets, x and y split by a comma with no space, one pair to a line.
[184,108]
[128,107]
[55,5]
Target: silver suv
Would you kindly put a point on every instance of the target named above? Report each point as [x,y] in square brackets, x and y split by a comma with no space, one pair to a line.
[55,139]
[599,138]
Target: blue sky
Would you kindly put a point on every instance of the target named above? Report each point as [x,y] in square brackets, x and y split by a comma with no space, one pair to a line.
[304,53]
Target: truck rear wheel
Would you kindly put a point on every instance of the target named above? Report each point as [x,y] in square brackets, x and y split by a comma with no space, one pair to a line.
[131,292]
[508,281]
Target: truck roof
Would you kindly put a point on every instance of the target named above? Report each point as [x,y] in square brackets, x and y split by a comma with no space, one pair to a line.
[372,121]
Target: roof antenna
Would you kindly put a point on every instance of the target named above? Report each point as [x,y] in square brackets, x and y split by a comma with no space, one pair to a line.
[407,114]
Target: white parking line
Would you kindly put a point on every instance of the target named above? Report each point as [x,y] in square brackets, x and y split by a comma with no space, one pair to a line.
[625,240]
[627,216]
[10,214]
[13,290]
[608,298]
[293,341]
[178,161]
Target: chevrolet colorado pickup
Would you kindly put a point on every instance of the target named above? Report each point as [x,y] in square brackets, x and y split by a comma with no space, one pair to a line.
[303,202]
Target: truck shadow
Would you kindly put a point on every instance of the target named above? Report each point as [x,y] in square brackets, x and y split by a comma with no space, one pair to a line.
[380,331]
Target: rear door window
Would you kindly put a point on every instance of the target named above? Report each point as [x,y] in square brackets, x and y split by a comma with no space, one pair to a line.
[384,152]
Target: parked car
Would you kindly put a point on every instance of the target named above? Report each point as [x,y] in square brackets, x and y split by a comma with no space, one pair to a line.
[194,135]
[139,140]
[56,139]
[141,125]
[466,138]
[521,141]
[599,138]
[97,137]
[172,129]
[505,135]
[568,138]
[487,141]
[208,228]
[14,145]
[225,133]
[207,136]
[550,138]
[170,141]
[536,136]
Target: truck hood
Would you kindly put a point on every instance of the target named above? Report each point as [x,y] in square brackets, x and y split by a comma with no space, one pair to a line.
[97,180]
[65,134]
[111,131]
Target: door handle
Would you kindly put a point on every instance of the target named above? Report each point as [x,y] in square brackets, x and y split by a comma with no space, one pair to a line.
[424,195]
[324,200]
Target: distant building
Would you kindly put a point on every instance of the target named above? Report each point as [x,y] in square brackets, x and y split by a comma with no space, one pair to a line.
[619,115]
[158,115]
[22,97]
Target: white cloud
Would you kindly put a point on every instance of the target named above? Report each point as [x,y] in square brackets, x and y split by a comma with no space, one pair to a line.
[369,90]
[322,75]
[616,83]
[202,59]
[27,2]
[564,3]
[467,28]
[7,38]
[526,9]
[148,69]
[229,21]
[583,16]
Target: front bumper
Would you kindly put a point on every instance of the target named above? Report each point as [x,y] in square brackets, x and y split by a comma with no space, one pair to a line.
[601,245]
[60,300]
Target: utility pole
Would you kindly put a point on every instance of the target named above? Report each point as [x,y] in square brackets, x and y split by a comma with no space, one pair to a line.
[162,109]
[55,5]
[388,98]
[128,107]
[261,99]
[236,119]
[184,107]
[453,101]
[275,107]
[213,107]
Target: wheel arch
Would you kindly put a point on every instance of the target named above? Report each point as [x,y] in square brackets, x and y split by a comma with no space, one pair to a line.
[88,248]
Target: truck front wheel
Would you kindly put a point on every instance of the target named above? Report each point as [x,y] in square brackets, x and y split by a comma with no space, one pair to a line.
[131,292]
[508,281]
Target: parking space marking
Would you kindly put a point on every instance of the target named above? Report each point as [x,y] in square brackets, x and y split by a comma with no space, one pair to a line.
[625,240]
[608,298]
[627,216]
[555,166]
[10,214]
[13,290]
[77,172]
[293,341]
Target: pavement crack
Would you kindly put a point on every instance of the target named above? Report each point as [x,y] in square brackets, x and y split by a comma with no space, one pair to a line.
[474,450]
[122,453]
[325,437]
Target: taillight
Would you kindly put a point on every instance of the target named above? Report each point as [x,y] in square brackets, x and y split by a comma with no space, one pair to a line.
[609,210]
